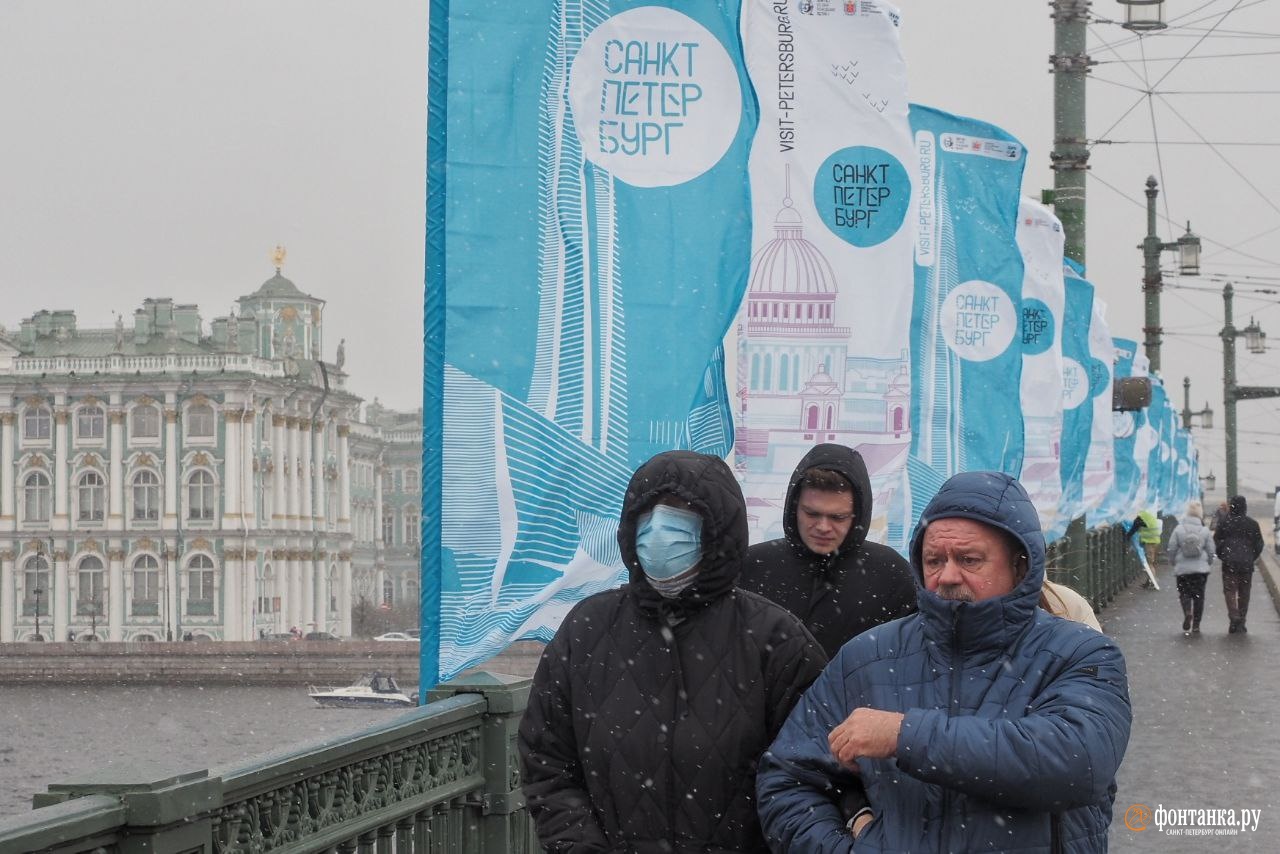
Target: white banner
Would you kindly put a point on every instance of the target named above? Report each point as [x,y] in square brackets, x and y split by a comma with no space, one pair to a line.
[1040,240]
[821,339]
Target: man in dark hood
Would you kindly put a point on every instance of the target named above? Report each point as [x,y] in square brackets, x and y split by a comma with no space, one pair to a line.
[1238,539]
[824,571]
[652,704]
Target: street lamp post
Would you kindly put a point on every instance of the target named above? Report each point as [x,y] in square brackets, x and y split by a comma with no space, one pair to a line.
[1205,415]
[1255,340]
[1188,248]
[1070,157]
[38,592]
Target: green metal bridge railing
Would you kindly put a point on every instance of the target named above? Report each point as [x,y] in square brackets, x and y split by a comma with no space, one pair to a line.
[1096,563]
[442,778]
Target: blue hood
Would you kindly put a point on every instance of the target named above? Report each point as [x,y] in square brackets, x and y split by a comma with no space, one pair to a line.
[998,500]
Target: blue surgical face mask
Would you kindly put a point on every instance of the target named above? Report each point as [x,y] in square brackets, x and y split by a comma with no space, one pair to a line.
[668,543]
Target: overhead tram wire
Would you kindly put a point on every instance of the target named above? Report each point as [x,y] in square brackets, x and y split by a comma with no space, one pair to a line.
[1152,87]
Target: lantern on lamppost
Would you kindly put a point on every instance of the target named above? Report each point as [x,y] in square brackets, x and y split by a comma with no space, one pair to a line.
[1143,16]
[1254,338]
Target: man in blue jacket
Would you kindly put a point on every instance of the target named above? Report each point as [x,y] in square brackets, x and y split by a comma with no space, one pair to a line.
[980,723]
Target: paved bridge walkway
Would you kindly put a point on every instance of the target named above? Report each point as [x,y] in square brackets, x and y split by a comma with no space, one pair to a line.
[1206,710]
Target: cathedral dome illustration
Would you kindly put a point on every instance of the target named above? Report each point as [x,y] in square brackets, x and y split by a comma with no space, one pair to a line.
[789,265]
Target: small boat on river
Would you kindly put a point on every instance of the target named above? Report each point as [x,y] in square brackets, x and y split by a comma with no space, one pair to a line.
[373,690]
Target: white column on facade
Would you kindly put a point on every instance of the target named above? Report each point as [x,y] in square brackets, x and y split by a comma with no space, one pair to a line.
[295,589]
[277,476]
[379,580]
[248,451]
[306,567]
[317,475]
[115,592]
[292,474]
[61,458]
[322,591]
[306,523]
[378,545]
[172,592]
[171,484]
[115,486]
[8,425]
[344,596]
[58,595]
[231,467]
[344,475]
[8,598]
[233,620]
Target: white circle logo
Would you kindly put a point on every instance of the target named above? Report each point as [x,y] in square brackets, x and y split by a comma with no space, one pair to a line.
[978,320]
[655,97]
[1075,383]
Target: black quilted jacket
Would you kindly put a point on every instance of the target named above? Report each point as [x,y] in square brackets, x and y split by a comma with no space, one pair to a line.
[647,716]
[841,595]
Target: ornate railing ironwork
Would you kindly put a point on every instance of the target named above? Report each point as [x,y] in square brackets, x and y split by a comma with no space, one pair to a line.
[442,778]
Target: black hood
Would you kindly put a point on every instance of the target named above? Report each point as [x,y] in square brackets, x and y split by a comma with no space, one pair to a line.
[1239,507]
[843,461]
[707,483]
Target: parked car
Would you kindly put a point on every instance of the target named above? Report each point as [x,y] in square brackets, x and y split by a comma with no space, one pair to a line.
[395,636]
[413,633]
[321,636]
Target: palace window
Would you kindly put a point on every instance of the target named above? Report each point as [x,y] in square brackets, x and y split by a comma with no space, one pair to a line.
[411,523]
[200,586]
[388,482]
[388,592]
[146,496]
[388,526]
[36,592]
[91,497]
[37,499]
[411,480]
[90,591]
[201,421]
[35,424]
[201,497]
[146,587]
[144,422]
[90,423]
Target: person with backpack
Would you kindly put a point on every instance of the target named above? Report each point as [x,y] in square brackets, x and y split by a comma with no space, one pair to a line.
[1191,554]
[1239,544]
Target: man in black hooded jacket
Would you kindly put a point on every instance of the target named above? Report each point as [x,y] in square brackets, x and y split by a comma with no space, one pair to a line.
[1238,542]
[824,571]
[653,703]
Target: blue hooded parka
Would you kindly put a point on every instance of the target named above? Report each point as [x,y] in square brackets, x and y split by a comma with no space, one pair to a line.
[1015,720]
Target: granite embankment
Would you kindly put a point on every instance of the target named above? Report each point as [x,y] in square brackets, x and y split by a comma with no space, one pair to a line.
[255,663]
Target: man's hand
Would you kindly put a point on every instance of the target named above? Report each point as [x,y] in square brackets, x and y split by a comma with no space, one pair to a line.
[869,733]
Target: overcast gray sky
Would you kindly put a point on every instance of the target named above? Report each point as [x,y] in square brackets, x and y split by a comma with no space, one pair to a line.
[163,147]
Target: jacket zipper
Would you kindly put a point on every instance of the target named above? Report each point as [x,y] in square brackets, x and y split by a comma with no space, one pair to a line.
[952,700]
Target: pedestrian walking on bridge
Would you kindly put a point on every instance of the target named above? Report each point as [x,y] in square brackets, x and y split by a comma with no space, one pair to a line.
[1239,543]
[1191,554]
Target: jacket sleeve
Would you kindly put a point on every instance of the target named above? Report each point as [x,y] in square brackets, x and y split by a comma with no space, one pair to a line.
[1175,543]
[795,660]
[1064,753]
[554,788]
[1259,545]
[799,784]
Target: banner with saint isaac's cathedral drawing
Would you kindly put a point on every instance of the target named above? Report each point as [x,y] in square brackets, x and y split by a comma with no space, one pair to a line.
[821,340]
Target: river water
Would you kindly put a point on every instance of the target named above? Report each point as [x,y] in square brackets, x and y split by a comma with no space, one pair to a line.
[62,734]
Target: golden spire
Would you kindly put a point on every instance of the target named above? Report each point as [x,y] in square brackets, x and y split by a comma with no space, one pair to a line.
[277,257]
